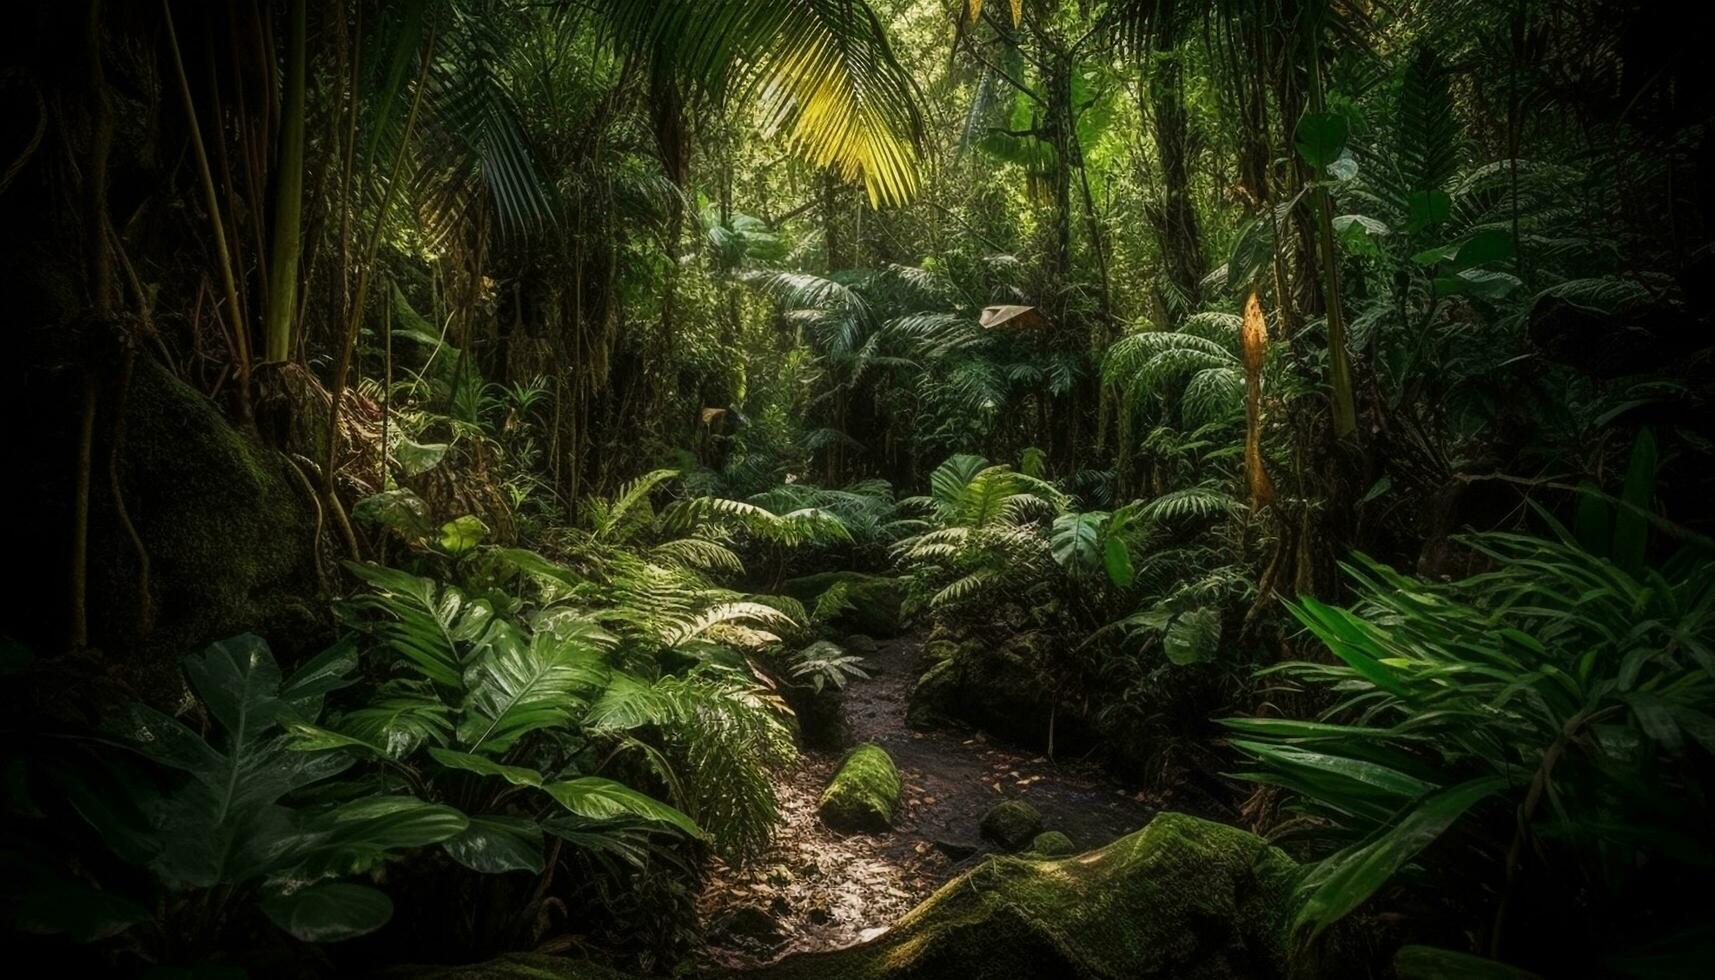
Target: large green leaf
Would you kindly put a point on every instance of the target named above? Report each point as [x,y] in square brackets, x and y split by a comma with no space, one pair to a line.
[1432,963]
[224,824]
[329,912]
[238,682]
[598,798]
[401,717]
[321,675]
[1077,541]
[1427,208]
[822,70]
[434,628]
[1193,637]
[520,686]
[1356,776]
[462,534]
[399,509]
[417,458]
[1481,283]
[1116,559]
[1322,138]
[516,775]
[497,844]
[359,835]
[1347,879]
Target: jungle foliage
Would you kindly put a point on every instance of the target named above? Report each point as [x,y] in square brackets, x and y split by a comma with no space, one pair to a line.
[1301,407]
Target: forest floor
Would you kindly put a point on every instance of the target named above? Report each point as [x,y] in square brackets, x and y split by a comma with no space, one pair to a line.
[817,889]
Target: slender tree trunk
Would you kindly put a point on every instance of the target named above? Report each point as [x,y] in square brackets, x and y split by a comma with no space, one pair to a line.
[1339,359]
[239,330]
[354,317]
[100,268]
[287,242]
[1177,227]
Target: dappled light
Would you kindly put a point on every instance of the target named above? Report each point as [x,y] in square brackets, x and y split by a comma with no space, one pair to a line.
[860,489]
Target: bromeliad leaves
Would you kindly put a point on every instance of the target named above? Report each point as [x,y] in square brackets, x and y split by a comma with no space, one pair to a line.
[1550,684]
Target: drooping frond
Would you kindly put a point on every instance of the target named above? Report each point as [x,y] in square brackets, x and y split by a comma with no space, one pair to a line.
[1191,502]
[822,72]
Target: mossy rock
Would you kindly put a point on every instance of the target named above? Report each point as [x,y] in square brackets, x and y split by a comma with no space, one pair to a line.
[1000,689]
[820,713]
[1182,898]
[934,697]
[864,794]
[874,600]
[1012,824]
[227,524]
[1052,843]
[939,651]
[860,644]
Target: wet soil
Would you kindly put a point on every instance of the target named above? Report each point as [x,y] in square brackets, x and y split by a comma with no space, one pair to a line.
[818,889]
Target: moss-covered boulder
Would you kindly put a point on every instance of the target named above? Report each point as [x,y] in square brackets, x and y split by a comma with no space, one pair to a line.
[864,794]
[227,524]
[934,698]
[1052,843]
[1183,898]
[820,713]
[1012,824]
[999,688]
[861,644]
[873,601]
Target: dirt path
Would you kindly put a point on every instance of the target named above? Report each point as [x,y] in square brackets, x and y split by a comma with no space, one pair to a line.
[817,889]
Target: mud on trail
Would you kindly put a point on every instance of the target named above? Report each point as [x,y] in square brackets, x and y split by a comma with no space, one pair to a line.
[818,889]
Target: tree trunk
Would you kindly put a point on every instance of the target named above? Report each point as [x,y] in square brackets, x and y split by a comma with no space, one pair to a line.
[1177,227]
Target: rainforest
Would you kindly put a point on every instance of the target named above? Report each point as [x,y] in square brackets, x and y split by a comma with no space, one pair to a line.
[859,489]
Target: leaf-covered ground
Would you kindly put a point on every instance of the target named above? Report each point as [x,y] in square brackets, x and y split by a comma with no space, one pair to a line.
[818,889]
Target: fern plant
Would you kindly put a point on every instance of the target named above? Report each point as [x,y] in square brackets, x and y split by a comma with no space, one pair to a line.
[472,694]
[824,664]
[984,531]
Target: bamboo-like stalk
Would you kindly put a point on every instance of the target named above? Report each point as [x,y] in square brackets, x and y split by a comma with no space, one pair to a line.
[79,636]
[1339,359]
[211,200]
[287,245]
[100,285]
[354,319]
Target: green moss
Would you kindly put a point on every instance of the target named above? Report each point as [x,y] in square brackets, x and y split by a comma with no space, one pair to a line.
[226,523]
[864,794]
[1182,898]
[1052,843]
[933,696]
[860,644]
[1012,824]
[940,651]
[875,600]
